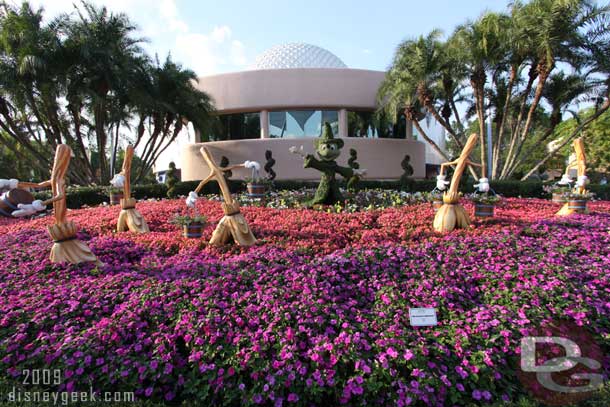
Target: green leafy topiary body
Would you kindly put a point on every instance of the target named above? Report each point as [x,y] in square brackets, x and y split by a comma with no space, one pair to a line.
[353,156]
[328,150]
[407,168]
[171,179]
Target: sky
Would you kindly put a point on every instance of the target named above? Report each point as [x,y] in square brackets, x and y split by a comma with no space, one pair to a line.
[218,36]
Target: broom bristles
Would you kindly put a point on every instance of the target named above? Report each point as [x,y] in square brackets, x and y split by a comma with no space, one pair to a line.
[450,217]
[132,220]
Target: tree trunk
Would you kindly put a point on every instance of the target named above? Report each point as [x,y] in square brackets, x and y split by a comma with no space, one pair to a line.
[571,137]
[533,73]
[100,132]
[543,73]
[477,81]
[425,99]
[497,148]
[555,120]
[413,119]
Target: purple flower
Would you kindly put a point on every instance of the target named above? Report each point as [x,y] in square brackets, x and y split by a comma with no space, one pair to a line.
[477,395]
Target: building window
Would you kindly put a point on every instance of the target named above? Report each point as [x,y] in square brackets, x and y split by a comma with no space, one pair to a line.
[367,124]
[301,123]
[237,126]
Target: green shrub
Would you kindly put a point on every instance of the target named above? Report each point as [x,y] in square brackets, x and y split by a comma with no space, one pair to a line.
[96,195]
[171,179]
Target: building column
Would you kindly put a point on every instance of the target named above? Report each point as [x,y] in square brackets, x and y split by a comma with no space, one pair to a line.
[264,124]
[409,128]
[343,123]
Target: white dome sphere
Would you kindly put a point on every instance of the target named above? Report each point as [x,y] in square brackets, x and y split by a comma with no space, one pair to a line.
[297,55]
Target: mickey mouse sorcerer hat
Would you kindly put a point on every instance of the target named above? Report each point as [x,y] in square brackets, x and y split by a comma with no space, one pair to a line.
[328,137]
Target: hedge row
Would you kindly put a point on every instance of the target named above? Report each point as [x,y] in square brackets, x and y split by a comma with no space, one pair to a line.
[79,196]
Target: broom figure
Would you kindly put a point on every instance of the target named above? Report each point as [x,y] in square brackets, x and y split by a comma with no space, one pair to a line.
[233,225]
[129,218]
[66,246]
[581,181]
[452,215]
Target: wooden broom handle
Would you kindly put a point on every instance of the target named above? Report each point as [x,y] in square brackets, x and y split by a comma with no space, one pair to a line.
[58,181]
[217,173]
[127,172]
[461,164]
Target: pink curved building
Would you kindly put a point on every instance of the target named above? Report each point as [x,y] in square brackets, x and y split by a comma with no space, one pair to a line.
[283,101]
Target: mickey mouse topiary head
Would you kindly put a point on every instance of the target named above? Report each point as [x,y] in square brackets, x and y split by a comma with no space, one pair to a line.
[327,146]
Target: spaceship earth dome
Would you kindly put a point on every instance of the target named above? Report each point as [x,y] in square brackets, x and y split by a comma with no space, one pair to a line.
[297,55]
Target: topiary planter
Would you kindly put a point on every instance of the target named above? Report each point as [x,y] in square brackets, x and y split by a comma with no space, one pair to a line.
[115,197]
[256,190]
[193,230]
[559,198]
[577,205]
[483,210]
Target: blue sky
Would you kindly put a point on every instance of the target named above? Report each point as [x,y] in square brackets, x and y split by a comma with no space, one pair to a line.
[226,35]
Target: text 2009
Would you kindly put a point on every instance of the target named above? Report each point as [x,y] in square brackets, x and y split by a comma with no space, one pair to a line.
[41,376]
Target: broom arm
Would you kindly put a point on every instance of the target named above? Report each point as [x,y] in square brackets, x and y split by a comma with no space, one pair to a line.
[232,167]
[202,183]
[462,162]
[218,174]
[127,172]
[54,199]
[44,184]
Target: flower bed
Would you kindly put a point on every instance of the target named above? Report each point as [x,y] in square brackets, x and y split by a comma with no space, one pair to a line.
[317,312]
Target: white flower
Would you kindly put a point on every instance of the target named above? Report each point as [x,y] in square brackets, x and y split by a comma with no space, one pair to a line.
[565,180]
[254,165]
[118,181]
[483,185]
[582,181]
[29,209]
[8,183]
[191,200]
[441,184]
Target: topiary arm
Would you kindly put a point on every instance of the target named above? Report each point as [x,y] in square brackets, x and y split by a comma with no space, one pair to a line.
[345,172]
[312,162]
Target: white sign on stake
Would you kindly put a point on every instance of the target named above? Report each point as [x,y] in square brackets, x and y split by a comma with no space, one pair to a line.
[423,316]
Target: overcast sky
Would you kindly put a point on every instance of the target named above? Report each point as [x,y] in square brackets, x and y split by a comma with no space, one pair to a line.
[216,36]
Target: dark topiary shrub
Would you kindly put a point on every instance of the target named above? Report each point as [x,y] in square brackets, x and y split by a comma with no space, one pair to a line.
[171,179]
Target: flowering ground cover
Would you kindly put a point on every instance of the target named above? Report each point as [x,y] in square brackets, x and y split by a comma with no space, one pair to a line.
[316,313]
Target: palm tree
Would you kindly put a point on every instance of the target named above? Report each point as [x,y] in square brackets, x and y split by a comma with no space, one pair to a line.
[434,73]
[166,98]
[560,92]
[107,56]
[398,93]
[33,67]
[518,47]
[593,52]
[554,30]
[482,41]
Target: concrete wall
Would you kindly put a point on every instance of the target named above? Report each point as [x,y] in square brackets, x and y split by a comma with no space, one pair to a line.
[381,157]
[251,91]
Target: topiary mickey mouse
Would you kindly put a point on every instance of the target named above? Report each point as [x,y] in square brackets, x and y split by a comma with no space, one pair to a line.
[328,150]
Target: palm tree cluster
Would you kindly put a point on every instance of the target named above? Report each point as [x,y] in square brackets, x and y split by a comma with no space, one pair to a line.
[523,70]
[81,78]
